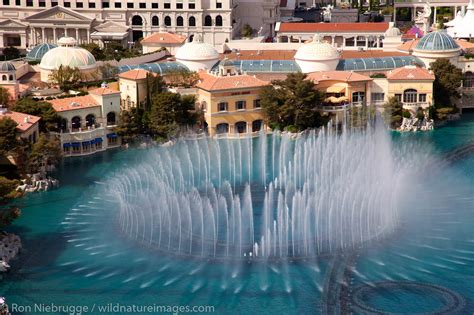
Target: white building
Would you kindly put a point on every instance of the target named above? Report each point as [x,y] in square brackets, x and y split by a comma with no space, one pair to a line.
[26,23]
[317,56]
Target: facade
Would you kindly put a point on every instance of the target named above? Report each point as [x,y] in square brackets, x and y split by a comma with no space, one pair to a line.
[88,121]
[163,40]
[230,101]
[27,125]
[26,23]
[132,86]
[8,80]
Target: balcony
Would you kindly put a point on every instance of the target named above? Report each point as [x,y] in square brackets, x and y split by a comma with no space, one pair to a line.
[415,105]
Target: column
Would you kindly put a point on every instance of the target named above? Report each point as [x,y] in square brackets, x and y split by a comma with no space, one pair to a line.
[77,35]
[394,16]
[54,35]
[378,41]
[344,42]
[23,40]
[434,16]
[1,40]
[366,42]
[88,36]
[31,37]
[333,40]
[43,37]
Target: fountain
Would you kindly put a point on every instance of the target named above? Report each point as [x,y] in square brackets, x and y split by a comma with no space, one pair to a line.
[271,197]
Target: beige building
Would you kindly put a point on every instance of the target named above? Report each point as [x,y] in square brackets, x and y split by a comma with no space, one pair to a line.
[27,125]
[230,101]
[163,40]
[88,121]
[132,86]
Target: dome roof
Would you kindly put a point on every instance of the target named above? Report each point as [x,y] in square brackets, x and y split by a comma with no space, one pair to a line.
[67,42]
[197,50]
[6,66]
[393,32]
[38,51]
[437,41]
[74,57]
[317,50]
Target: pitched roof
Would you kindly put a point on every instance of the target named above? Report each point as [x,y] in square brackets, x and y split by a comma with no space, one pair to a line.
[211,82]
[73,103]
[346,76]
[24,121]
[104,91]
[410,73]
[333,27]
[164,38]
[135,74]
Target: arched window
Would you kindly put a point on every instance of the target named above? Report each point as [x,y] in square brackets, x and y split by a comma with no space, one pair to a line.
[76,122]
[179,21]
[155,21]
[222,128]
[241,127]
[63,124]
[11,77]
[468,79]
[208,20]
[218,20]
[90,120]
[137,20]
[110,118]
[191,37]
[257,125]
[4,77]
[192,21]
[167,21]
[203,105]
[409,96]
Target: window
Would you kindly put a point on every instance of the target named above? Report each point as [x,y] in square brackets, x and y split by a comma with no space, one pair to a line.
[222,128]
[167,5]
[410,96]
[241,127]
[110,118]
[192,6]
[257,125]
[422,98]
[29,3]
[6,2]
[18,2]
[90,120]
[377,97]
[142,5]
[208,20]
[79,5]
[219,5]
[239,105]
[155,21]
[167,21]
[92,5]
[256,104]
[218,20]
[105,5]
[192,21]
[118,5]
[358,97]
[137,20]
[179,21]
[179,5]
[222,107]
[154,5]
[66,4]
[76,122]
[398,97]
[42,4]
[4,77]
[130,5]
[10,77]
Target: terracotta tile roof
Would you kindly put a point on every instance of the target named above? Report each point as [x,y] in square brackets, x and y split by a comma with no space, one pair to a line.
[136,74]
[164,38]
[346,76]
[211,82]
[333,27]
[465,45]
[103,91]
[24,121]
[410,73]
[73,103]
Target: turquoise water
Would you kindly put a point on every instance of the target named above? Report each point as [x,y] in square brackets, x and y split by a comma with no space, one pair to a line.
[75,256]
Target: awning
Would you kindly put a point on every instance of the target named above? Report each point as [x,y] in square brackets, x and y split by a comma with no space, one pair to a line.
[76,144]
[98,140]
[335,89]
[66,145]
[86,142]
[112,135]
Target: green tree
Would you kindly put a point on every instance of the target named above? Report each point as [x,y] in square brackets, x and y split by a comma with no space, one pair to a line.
[247,31]
[447,82]
[7,189]
[95,50]
[393,112]
[10,53]
[131,124]
[5,96]
[292,103]
[44,152]
[65,77]
[154,85]
[8,136]
[169,112]
[50,119]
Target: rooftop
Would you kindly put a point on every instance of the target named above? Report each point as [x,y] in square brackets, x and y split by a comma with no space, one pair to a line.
[24,121]
[73,103]
[346,76]
[156,67]
[135,74]
[103,91]
[164,38]
[211,82]
[333,27]
[410,73]
[384,63]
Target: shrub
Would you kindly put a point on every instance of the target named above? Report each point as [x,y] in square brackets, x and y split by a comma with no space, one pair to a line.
[406,114]
[378,75]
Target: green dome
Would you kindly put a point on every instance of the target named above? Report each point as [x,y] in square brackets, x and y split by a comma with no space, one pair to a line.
[38,51]
[437,41]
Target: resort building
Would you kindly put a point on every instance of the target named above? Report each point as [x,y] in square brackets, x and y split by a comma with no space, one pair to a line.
[27,125]
[88,121]
[8,80]
[132,86]
[230,100]
[162,40]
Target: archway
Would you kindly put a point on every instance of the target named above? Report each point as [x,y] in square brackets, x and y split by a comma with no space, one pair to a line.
[155,21]
[218,20]
[167,21]
[90,120]
[208,20]
[179,21]
[410,96]
[76,122]
[241,127]
[257,125]
[137,35]
[111,119]
[222,128]
[192,21]
[137,20]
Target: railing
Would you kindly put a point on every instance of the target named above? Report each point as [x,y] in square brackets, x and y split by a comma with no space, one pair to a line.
[415,105]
